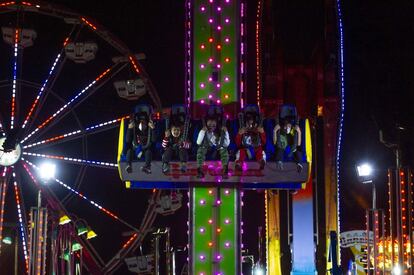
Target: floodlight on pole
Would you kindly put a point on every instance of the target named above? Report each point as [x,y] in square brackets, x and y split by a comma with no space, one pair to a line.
[47,170]
[365,173]
[364,170]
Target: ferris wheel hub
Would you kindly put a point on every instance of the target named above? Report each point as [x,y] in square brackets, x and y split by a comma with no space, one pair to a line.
[9,156]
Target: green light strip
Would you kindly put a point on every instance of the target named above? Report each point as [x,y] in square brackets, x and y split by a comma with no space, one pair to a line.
[206,40]
[215,223]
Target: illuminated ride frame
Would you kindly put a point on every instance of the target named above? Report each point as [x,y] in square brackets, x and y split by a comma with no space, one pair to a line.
[81,61]
[216,61]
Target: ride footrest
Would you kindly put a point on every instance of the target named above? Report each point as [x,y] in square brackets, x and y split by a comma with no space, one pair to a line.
[251,177]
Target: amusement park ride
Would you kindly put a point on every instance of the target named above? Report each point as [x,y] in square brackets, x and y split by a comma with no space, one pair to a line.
[301,199]
[217,73]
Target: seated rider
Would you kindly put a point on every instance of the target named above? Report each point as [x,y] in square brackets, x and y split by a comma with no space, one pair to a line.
[213,139]
[250,136]
[285,134]
[175,142]
[140,133]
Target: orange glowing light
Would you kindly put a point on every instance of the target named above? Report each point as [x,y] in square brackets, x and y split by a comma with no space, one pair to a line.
[88,23]
[7,4]
[134,64]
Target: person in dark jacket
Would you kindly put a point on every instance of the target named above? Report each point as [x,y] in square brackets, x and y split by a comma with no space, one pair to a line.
[287,134]
[140,134]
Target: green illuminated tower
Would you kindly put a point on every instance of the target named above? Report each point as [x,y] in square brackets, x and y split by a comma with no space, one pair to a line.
[215,70]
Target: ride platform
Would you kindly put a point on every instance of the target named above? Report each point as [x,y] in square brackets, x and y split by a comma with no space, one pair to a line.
[251,177]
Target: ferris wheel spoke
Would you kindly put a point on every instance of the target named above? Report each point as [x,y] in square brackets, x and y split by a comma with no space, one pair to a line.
[14,82]
[99,164]
[82,196]
[57,60]
[4,172]
[77,184]
[104,126]
[3,189]
[56,205]
[21,217]
[102,79]
[48,83]
[42,89]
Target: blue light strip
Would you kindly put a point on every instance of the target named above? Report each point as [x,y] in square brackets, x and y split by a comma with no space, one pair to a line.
[67,104]
[41,90]
[342,110]
[13,103]
[75,133]
[74,160]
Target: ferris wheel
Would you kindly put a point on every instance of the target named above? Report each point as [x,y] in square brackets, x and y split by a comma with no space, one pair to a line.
[65,84]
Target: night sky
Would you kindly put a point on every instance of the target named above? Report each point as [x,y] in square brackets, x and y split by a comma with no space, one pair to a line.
[379,84]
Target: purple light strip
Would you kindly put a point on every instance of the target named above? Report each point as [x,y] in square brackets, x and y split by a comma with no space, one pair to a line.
[187,83]
[241,55]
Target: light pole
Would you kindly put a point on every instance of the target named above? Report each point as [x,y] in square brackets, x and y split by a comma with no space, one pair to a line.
[16,252]
[365,175]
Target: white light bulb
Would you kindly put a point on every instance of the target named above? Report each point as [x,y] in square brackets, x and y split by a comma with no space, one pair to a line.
[364,170]
[47,170]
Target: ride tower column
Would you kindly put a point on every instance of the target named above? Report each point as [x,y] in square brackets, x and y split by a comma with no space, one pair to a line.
[310,76]
[214,75]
